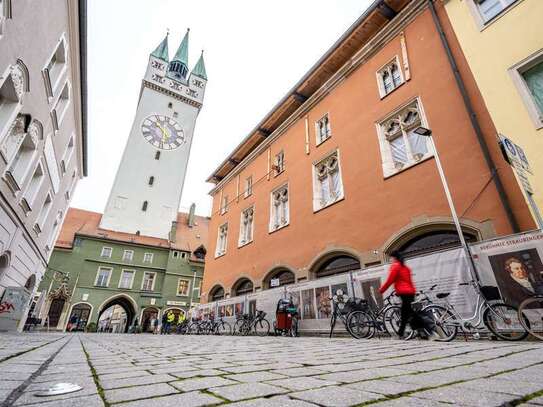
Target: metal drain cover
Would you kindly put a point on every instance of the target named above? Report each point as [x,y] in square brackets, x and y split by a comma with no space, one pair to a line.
[59,388]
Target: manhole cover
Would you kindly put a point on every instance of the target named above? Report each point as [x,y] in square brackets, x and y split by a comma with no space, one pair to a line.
[59,388]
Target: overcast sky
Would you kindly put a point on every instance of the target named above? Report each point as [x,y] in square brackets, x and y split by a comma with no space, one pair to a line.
[255,51]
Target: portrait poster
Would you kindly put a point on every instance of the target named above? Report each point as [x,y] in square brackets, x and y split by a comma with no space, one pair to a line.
[370,292]
[324,306]
[252,307]
[239,308]
[222,311]
[308,304]
[295,298]
[228,310]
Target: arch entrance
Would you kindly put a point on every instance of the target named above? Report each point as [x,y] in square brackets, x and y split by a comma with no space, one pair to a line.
[242,286]
[336,264]
[79,317]
[278,278]
[148,317]
[125,305]
[216,293]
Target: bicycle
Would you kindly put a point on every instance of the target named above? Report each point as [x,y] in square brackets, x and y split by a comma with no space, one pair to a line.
[502,319]
[342,307]
[220,327]
[257,323]
[530,314]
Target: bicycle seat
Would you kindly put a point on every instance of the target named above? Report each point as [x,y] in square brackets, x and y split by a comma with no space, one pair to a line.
[442,295]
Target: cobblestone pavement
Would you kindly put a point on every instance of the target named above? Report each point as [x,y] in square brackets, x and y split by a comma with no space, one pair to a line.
[190,371]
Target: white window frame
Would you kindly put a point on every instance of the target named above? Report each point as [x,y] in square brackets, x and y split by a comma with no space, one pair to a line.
[11,111]
[188,287]
[68,154]
[64,98]
[104,250]
[29,197]
[273,226]
[224,205]
[133,272]
[248,186]
[246,236]
[379,76]
[143,280]
[197,287]
[220,250]
[480,20]
[52,84]
[110,272]
[389,167]
[318,202]
[148,257]
[318,139]
[516,72]
[131,256]
[44,213]
[279,163]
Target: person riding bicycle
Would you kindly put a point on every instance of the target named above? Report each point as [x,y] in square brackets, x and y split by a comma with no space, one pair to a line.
[400,275]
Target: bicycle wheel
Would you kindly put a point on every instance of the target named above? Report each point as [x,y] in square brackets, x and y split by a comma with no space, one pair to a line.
[193,329]
[223,328]
[503,320]
[294,328]
[360,325]
[237,327]
[392,320]
[446,323]
[531,315]
[262,327]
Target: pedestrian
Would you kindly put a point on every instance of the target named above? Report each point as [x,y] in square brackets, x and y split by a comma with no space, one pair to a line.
[155,326]
[170,320]
[164,323]
[180,322]
[400,275]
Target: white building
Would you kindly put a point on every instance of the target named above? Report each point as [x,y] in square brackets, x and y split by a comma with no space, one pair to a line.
[42,131]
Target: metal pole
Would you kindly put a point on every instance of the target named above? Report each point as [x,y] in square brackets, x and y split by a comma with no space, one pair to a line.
[452,208]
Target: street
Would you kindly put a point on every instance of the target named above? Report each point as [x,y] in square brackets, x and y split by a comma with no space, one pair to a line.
[148,370]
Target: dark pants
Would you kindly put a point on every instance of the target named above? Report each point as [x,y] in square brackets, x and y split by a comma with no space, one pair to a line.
[406,312]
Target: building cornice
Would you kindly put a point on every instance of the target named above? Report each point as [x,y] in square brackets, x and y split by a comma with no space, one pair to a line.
[391,30]
[174,95]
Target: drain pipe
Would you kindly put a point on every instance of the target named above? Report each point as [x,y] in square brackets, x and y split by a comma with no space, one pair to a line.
[475,122]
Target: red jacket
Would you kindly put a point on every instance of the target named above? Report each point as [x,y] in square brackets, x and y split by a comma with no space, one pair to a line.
[400,276]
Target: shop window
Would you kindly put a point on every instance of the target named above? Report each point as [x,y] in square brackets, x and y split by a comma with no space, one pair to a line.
[246,226]
[327,183]
[389,77]
[322,128]
[280,214]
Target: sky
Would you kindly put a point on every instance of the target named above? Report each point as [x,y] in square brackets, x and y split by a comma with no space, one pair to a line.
[255,51]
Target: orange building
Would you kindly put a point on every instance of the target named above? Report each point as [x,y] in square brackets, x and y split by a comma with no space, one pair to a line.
[334,177]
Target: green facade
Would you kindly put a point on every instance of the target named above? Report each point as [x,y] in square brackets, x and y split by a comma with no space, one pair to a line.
[83,261]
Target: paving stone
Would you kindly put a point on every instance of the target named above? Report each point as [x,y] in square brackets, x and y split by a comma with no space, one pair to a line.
[135,381]
[411,402]
[29,397]
[300,371]
[461,395]
[277,401]
[201,383]
[86,401]
[254,377]
[504,386]
[247,391]
[195,373]
[384,386]
[138,392]
[358,375]
[123,375]
[335,396]
[302,383]
[191,399]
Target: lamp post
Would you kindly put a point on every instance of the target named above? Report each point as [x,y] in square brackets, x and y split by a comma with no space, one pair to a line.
[423,131]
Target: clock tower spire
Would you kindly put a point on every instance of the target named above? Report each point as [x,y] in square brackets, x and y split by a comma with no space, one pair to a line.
[147,189]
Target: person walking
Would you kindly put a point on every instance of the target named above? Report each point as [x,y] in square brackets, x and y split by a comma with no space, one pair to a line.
[400,275]
[170,320]
[155,326]
[164,323]
[180,322]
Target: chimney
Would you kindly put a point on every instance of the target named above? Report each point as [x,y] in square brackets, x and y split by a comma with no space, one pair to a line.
[191,215]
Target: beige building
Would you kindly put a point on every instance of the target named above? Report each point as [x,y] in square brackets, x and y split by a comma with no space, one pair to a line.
[42,132]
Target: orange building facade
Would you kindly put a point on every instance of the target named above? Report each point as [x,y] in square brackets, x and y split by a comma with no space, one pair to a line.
[334,177]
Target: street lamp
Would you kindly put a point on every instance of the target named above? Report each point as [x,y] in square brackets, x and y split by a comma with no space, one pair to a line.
[423,131]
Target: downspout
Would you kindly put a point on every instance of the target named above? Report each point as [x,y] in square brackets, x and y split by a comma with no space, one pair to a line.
[475,122]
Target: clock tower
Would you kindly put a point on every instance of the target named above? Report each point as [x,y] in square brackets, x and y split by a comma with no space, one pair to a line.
[146,193]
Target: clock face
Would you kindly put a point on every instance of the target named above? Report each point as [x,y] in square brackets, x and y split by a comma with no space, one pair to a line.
[162,132]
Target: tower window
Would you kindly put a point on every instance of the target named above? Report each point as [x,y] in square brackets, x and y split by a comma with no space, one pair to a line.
[157,155]
[144,206]
[151,180]
[175,114]
[170,105]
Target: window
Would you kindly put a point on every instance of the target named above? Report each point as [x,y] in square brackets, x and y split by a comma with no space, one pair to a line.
[222,238]
[182,287]
[11,94]
[246,226]
[33,187]
[106,252]
[488,9]
[400,146]
[20,146]
[148,283]
[248,186]
[128,255]
[389,77]
[175,254]
[224,205]
[148,257]
[279,165]
[127,279]
[55,68]
[120,202]
[58,113]
[170,105]
[196,289]
[157,155]
[528,77]
[151,181]
[144,206]
[51,162]
[322,129]
[68,153]
[327,184]
[103,276]
[279,208]
[42,217]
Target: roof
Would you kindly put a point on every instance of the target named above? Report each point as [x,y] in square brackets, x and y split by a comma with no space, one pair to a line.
[182,53]
[87,223]
[161,51]
[200,68]
[377,16]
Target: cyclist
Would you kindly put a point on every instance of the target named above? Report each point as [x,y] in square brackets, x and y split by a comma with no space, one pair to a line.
[400,275]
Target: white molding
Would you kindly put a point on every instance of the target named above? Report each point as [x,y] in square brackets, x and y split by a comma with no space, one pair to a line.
[271,229]
[380,83]
[110,253]
[317,142]
[152,256]
[131,280]
[188,288]
[143,281]
[110,269]
[240,243]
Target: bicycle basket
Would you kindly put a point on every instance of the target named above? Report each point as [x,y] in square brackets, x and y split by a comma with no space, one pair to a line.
[490,292]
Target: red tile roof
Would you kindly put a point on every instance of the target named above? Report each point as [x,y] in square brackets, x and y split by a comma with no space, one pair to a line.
[87,223]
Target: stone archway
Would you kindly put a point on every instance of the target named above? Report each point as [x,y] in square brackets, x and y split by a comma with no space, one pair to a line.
[334,262]
[126,303]
[148,316]
[79,316]
[216,293]
[283,274]
[242,286]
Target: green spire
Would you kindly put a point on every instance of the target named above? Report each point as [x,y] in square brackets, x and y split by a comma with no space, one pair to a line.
[162,50]
[200,68]
[182,54]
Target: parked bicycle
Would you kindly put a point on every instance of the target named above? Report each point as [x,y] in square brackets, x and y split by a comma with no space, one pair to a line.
[530,314]
[342,308]
[220,327]
[503,320]
[257,324]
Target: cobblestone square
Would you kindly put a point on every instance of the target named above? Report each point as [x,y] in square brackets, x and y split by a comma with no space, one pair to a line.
[147,370]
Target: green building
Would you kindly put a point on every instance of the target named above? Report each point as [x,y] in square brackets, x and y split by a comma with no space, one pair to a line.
[93,269]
